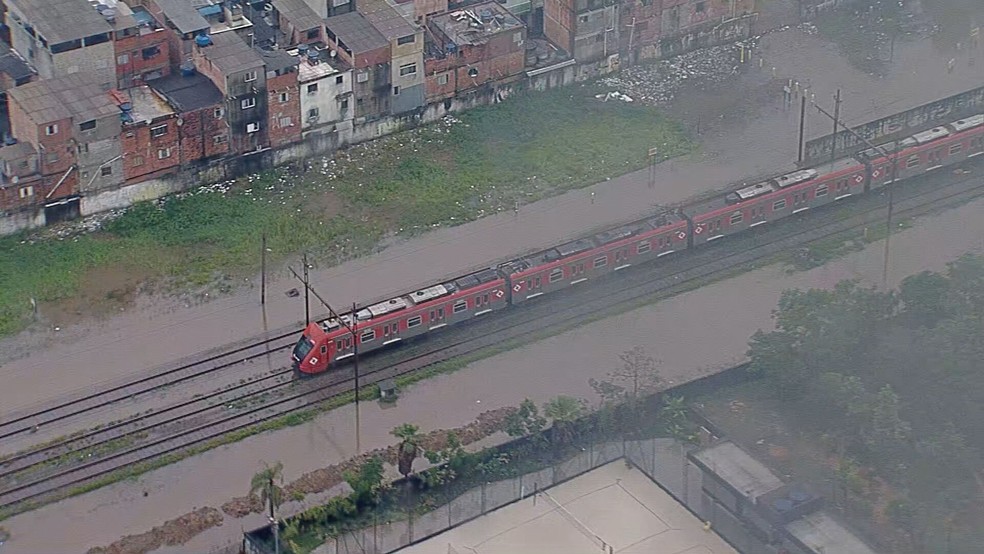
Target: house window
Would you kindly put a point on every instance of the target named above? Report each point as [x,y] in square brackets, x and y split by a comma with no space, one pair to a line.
[407,39]
[368,336]
[601,261]
[249,76]
[106,170]
[779,205]
[284,97]
[312,34]
[345,104]
[313,113]
[339,79]
[821,191]
[556,275]
[217,113]
[219,139]
[51,130]
[52,157]
[736,218]
[88,125]
[150,52]
[408,69]
[123,59]
[136,161]
[312,89]
[163,153]
[396,91]
[413,321]
[252,127]
[643,247]
[248,103]
[362,77]
[442,79]
[285,122]
[460,306]
[26,192]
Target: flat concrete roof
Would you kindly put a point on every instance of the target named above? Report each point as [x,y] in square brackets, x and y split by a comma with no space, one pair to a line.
[821,533]
[738,469]
[389,22]
[231,54]
[621,506]
[298,14]
[476,24]
[356,32]
[147,104]
[62,20]
[188,92]
[183,16]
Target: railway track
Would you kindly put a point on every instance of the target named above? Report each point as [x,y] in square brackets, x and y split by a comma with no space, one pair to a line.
[33,476]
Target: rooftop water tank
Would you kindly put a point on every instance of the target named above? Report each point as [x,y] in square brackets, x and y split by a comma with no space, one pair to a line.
[187,69]
[302,49]
[203,40]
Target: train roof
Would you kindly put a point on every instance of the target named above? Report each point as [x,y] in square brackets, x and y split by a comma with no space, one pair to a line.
[795,177]
[758,189]
[968,123]
[933,134]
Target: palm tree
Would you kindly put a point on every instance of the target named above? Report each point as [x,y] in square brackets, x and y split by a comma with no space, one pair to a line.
[564,411]
[265,484]
[409,435]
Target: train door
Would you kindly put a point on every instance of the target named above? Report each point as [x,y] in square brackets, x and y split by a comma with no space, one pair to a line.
[621,259]
[437,318]
[391,333]
[976,147]
[936,159]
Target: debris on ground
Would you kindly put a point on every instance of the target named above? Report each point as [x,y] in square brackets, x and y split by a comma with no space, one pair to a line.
[172,533]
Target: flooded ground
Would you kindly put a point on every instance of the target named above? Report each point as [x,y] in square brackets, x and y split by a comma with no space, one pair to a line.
[692,334]
[738,143]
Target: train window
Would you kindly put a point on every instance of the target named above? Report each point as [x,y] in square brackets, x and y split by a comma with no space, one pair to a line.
[736,218]
[913,161]
[431,318]
[779,205]
[955,148]
[643,247]
[368,336]
[556,275]
[413,321]
[821,191]
[842,184]
[386,330]
[601,261]
[324,348]
[440,313]
[537,283]
[338,345]
[460,306]
[486,298]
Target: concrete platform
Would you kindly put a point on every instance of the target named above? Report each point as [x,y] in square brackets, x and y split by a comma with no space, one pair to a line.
[611,509]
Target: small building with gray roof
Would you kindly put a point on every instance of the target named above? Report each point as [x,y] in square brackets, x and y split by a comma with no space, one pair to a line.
[407,53]
[62,37]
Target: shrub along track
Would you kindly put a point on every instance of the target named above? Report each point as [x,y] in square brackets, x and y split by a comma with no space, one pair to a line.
[50,472]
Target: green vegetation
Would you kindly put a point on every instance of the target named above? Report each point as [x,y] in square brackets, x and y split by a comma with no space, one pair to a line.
[520,150]
[892,384]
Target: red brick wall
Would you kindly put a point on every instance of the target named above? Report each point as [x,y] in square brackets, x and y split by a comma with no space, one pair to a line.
[198,132]
[142,152]
[433,69]
[558,23]
[136,65]
[10,195]
[279,131]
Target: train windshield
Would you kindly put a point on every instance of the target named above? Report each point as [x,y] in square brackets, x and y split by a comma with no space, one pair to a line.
[303,347]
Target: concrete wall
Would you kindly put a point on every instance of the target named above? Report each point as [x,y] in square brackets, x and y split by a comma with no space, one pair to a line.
[327,99]
[11,223]
[138,192]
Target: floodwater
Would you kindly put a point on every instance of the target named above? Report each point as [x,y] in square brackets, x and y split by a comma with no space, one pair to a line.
[88,356]
[693,333]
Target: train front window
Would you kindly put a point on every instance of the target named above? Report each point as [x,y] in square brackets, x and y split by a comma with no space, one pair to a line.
[303,347]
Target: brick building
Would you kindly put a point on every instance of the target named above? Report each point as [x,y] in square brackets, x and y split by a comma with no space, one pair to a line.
[203,133]
[142,47]
[472,47]
[74,124]
[587,29]
[182,21]
[406,50]
[21,185]
[283,98]
[150,136]
[238,72]
[298,22]
[363,48]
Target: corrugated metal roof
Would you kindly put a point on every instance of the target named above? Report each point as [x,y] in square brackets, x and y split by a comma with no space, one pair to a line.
[183,16]
[278,60]
[188,93]
[75,96]
[385,19]
[356,32]
[298,14]
[12,64]
[62,20]
[230,54]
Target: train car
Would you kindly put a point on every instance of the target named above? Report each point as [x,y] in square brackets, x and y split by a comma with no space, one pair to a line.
[926,151]
[399,318]
[594,256]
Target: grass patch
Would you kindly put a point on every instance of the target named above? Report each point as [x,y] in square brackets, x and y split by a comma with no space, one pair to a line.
[526,148]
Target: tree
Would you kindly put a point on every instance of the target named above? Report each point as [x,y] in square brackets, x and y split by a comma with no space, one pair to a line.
[449,462]
[564,411]
[366,483]
[526,421]
[775,355]
[265,483]
[409,435]
[673,414]
[924,296]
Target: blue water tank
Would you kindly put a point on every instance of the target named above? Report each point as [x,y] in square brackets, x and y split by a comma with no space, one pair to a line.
[203,40]
[187,69]
[313,55]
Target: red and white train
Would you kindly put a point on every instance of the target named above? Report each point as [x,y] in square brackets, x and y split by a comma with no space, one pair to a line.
[512,283]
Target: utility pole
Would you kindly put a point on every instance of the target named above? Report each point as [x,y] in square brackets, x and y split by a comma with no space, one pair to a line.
[307,288]
[355,343]
[273,519]
[353,329]
[263,251]
[653,156]
[833,142]
[802,127]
